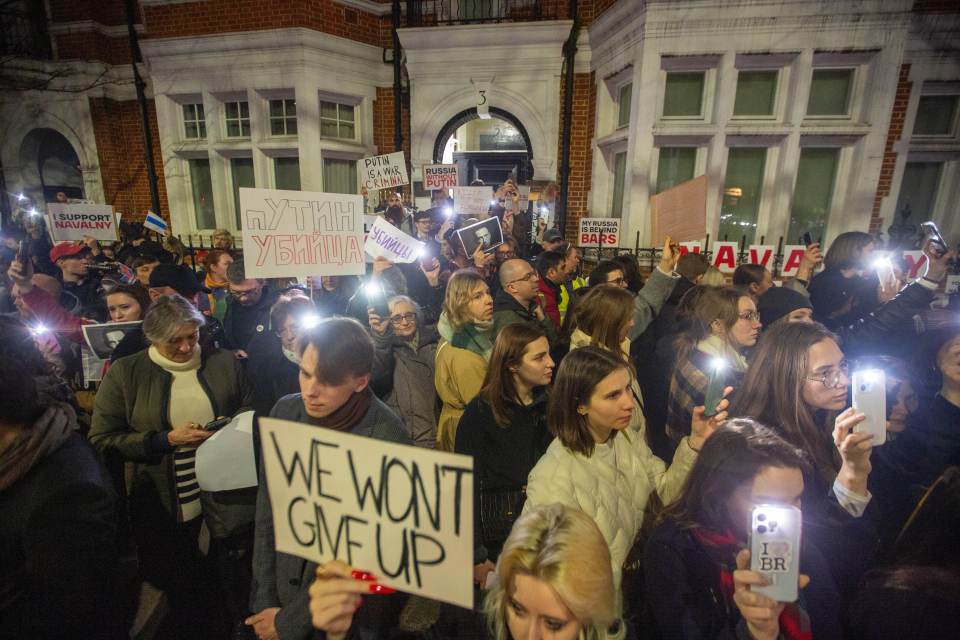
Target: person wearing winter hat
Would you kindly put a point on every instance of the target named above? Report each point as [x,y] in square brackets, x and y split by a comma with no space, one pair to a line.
[780,302]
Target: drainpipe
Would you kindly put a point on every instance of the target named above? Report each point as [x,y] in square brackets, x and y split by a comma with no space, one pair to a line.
[142,100]
[397,88]
[569,53]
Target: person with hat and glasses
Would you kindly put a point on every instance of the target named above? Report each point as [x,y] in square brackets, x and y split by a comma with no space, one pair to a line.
[73,260]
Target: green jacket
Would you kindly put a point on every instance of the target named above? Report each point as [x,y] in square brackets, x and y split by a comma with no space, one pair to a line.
[130,418]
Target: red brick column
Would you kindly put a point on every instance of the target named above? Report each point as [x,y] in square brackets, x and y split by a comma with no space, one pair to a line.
[894,133]
[581,147]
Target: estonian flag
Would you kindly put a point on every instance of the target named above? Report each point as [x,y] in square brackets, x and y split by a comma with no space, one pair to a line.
[155,223]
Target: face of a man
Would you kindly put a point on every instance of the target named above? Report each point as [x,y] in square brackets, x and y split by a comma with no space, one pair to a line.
[525,286]
[248,292]
[483,236]
[144,271]
[75,266]
[320,399]
[113,338]
[393,200]
[423,227]
[222,241]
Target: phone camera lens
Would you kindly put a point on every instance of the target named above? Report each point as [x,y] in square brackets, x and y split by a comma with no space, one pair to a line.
[762,517]
[863,387]
[761,529]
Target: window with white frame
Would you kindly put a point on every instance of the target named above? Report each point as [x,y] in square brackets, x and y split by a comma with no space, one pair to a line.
[675,165]
[241,172]
[283,117]
[742,190]
[619,181]
[813,192]
[936,117]
[623,105]
[683,94]
[756,93]
[918,189]
[236,115]
[194,124]
[831,91]
[339,176]
[205,215]
[337,120]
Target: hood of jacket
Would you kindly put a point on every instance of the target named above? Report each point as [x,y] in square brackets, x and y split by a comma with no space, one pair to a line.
[506,302]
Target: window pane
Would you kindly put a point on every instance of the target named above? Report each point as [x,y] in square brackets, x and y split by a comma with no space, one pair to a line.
[242,171]
[741,193]
[830,92]
[276,108]
[619,179]
[244,109]
[346,131]
[935,116]
[346,113]
[286,172]
[813,193]
[918,190]
[276,127]
[291,126]
[190,130]
[232,110]
[189,113]
[756,93]
[676,165]
[245,128]
[623,114]
[291,107]
[233,128]
[202,126]
[328,110]
[328,128]
[683,95]
[202,194]
[340,176]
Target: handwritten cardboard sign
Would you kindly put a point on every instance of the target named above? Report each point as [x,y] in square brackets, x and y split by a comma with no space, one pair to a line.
[383,172]
[473,202]
[386,241]
[294,233]
[400,512]
[74,221]
[602,232]
[439,176]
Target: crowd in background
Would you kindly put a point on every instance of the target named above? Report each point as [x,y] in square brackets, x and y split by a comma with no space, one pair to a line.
[609,499]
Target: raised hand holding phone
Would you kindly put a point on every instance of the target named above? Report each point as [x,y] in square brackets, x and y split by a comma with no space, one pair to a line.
[870,400]
[855,449]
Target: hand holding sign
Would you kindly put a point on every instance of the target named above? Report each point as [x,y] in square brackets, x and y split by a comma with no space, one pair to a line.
[336,594]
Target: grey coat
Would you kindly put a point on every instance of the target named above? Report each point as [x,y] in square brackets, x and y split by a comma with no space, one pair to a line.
[413,395]
[282,580]
[647,303]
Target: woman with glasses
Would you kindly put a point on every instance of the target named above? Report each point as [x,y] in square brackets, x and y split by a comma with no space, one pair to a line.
[405,351]
[723,325]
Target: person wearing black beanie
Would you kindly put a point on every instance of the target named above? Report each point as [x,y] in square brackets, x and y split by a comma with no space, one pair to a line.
[781,302]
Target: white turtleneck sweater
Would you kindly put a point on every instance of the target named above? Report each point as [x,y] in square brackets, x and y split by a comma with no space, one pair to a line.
[188,403]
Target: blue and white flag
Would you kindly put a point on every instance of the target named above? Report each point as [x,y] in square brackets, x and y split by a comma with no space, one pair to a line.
[155,223]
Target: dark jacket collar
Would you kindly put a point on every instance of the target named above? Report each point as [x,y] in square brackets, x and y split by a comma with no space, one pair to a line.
[506,302]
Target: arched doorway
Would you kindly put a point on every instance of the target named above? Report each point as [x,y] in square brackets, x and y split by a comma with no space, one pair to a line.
[49,164]
[491,149]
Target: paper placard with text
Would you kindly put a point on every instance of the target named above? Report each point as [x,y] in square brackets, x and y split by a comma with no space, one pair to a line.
[386,241]
[792,256]
[287,234]
[473,202]
[599,232]
[74,221]
[439,176]
[402,513]
[762,254]
[725,256]
[383,172]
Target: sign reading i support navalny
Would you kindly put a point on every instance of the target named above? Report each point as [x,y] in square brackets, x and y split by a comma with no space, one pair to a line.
[296,233]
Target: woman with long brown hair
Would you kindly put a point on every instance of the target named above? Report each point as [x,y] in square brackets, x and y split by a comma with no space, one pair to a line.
[504,429]
[725,322]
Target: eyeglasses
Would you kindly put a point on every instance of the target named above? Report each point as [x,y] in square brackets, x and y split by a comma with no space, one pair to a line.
[402,318]
[617,281]
[530,275]
[834,378]
[507,254]
[750,316]
[240,295]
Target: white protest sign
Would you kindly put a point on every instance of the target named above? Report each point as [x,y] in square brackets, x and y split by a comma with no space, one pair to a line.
[725,256]
[293,233]
[74,221]
[368,222]
[473,202]
[383,172]
[792,255]
[761,254]
[524,190]
[603,232]
[402,513]
[439,176]
[386,241]
[953,285]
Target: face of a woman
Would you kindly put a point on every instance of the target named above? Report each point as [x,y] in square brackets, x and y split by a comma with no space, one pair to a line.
[536,366]
[905,403]
[123,308]
[948,361]
[480,305]
[403,317]
[826,361]
[289,331]
[535,612]
[866,255]
[747,327]
[772,485]
[611,403]
[183,345]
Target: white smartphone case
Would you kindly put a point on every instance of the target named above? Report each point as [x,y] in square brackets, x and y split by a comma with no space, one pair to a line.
[775,550]
[870,399]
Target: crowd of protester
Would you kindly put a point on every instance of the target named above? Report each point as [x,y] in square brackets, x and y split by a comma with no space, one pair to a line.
[609,500]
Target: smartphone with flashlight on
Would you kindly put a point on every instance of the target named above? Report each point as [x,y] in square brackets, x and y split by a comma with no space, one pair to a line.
[870,399]
[377,299]
[933,236]
[775,550]
[715,386]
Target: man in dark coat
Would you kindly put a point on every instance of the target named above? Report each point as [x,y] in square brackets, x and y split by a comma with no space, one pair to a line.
[248,312]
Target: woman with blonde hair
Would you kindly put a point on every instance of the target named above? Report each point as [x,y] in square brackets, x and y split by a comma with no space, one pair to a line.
[553,579]
[465,328]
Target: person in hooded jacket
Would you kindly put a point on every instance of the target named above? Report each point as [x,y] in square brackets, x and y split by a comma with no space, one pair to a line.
[405,352]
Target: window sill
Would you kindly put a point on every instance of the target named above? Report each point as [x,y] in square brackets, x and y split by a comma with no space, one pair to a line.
[618,136]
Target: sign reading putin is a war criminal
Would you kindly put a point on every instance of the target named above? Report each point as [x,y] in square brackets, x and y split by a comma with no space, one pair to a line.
[383,172]
[603,232]
[402,513]
[76,221]
[295,233]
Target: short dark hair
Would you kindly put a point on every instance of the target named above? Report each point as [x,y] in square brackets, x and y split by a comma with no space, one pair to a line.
[549,260]
[20,366]
[600,272]
[631,271]
[692,265]
[142,259]
[747,274]
[344,348]
[236,274]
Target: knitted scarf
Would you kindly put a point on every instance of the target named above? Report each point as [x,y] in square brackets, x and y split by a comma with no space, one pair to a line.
[36,442]
[348,415]
[474,336]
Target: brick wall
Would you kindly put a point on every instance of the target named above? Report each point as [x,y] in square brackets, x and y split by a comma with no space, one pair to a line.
[90,45]
[106,12]
[894,133]
[118,132]
[581,147]
[383,126]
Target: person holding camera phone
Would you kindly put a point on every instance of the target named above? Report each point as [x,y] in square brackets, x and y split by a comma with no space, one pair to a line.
[699,581]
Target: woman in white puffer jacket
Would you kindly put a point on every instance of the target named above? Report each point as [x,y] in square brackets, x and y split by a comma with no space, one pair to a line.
[597,463]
